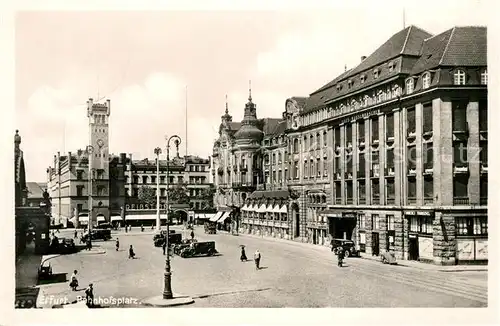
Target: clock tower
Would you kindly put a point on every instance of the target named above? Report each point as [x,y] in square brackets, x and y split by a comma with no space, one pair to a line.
[98,115]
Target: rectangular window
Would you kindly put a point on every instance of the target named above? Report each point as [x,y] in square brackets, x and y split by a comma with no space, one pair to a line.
[348,163]
[362,221]
[306,169]
[427,117]
[412,157]
[337,164]
[337,137]
[362,192]
[480,226]
[318,167]
[375,222]
[390,223]
[362,165]
[483,190]
[389,127]
[429,188]
[425,225]
[361,131]
[462,227]
[483,115]
[349,193]
[390,158]
[410,119]
[79,191]
[311,167]
[374,122]
[428,155]
[296,169]
[460,187]
[391,194]
[79,175]
[459,116]
[375,192]
[460,154]
[412,189]
[348,133]
[413,224]
[338,192]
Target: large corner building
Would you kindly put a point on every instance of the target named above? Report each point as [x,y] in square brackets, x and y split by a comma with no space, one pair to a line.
[391,154]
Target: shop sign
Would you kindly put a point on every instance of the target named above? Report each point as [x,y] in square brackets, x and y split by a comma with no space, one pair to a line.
[413,236]
[140,207]
[349,215]
[465,249]
[419,213]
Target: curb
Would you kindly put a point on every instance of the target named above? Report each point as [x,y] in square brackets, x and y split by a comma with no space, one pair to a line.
[158,301]
[435,269]
[95,252]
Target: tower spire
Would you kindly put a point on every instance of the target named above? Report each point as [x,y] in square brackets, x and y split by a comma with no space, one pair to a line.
[227,109]
[250,90]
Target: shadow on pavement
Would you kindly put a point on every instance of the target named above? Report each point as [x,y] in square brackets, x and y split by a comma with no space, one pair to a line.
[263,267]
[54,278]
[202,296]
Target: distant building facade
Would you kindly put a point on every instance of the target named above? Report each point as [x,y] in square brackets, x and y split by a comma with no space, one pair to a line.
[115,178]
[391,154]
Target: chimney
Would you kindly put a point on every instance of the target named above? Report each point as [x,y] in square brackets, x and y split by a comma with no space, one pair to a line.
[363,57]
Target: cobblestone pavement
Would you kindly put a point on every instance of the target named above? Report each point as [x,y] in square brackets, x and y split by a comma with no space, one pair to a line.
[292,275]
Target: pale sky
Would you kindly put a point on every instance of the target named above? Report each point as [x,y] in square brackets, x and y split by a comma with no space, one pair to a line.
[142,62]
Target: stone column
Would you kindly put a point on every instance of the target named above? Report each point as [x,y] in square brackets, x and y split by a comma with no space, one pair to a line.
[419,156]
[444,241]
[355,163]
[399,235]
[473,155]
[398,157]
[443,149]
[368,232]
[405,230]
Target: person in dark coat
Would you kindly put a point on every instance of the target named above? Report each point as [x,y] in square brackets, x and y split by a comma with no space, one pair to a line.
[117,244]
[192,235]
[164,247]
[131,253]
[256,258]
[89,295]
[340,256]
[76,234]
[243,256]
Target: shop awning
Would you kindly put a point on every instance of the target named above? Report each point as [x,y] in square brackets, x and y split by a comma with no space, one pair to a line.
[261,209]
[244,208]
[116,218]
[223,217]
[216,217]
[283,210]
[83,218]
[140,217]
[101,218]
[271,209]
[334,213]
[204,216]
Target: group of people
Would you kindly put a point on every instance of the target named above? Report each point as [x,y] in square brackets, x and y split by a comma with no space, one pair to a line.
[89,291]
[256,257]
[131,253]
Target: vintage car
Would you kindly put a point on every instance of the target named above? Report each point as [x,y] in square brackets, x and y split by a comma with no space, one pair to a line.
[388,257]
[173,238]
[99,234]
[184,244]
[44,271]
[62,246]
[199,249]
[348,245]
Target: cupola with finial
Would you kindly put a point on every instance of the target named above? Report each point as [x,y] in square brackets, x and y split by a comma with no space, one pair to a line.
[226,117]
[249,129]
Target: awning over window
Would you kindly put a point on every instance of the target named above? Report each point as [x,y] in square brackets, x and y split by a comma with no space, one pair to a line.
[101,218]
[271,209]
[116,218]
[216,217]
[83,218]
[141,217]
[223,217]
[283,209]
[245,207]
[204,216]
[261,209]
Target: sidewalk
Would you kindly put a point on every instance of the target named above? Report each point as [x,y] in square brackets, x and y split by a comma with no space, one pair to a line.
[433,267]
[407,263]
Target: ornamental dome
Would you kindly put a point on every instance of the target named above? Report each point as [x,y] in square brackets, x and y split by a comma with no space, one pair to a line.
[249,129]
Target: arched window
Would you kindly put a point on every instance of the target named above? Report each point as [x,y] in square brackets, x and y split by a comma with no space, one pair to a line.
[426,80]
[459,77]
[296,145]
[325,142]
[409,86]
[318,141]
[311,142]
[484,77]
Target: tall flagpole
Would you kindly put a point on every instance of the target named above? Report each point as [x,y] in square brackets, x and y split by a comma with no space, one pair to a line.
[186,138]
[404,18]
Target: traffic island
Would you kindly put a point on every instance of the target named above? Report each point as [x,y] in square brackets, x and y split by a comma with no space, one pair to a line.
[158,301]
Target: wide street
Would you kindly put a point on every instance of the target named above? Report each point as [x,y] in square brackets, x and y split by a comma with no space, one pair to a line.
[292,275]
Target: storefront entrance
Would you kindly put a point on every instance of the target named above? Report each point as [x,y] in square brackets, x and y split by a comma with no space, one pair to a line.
[375,244]
[296,219]
[413,248]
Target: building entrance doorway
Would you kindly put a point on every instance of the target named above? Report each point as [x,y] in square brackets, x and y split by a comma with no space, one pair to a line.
[375,244]
[296,219]
[413,248]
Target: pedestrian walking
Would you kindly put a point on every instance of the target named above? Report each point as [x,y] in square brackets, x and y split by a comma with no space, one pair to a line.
[131,253]
[73,281]
[243,256]
[256,258]
[340,256]
[164,246]
[117,244]
[76,234]
[192,235]
[89,243]
[89,295]
[142,228]
[126,227]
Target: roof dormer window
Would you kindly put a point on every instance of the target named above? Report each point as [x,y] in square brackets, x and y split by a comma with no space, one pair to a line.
[362,78]
[409,86]
[459,77]
[484,77]
[391,65]
[350,83]
[376,73]
[426,80]
[339,87]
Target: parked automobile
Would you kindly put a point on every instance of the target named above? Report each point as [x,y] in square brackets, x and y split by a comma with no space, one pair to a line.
[388,257]
[99,234]
[184,244]
[348,245]
[198,249]
[103,226]
[173,238]
[44,271]
[67,246]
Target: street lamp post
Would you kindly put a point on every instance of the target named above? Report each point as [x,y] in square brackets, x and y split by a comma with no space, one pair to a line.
[158,221]
[89,150]
[167,290]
